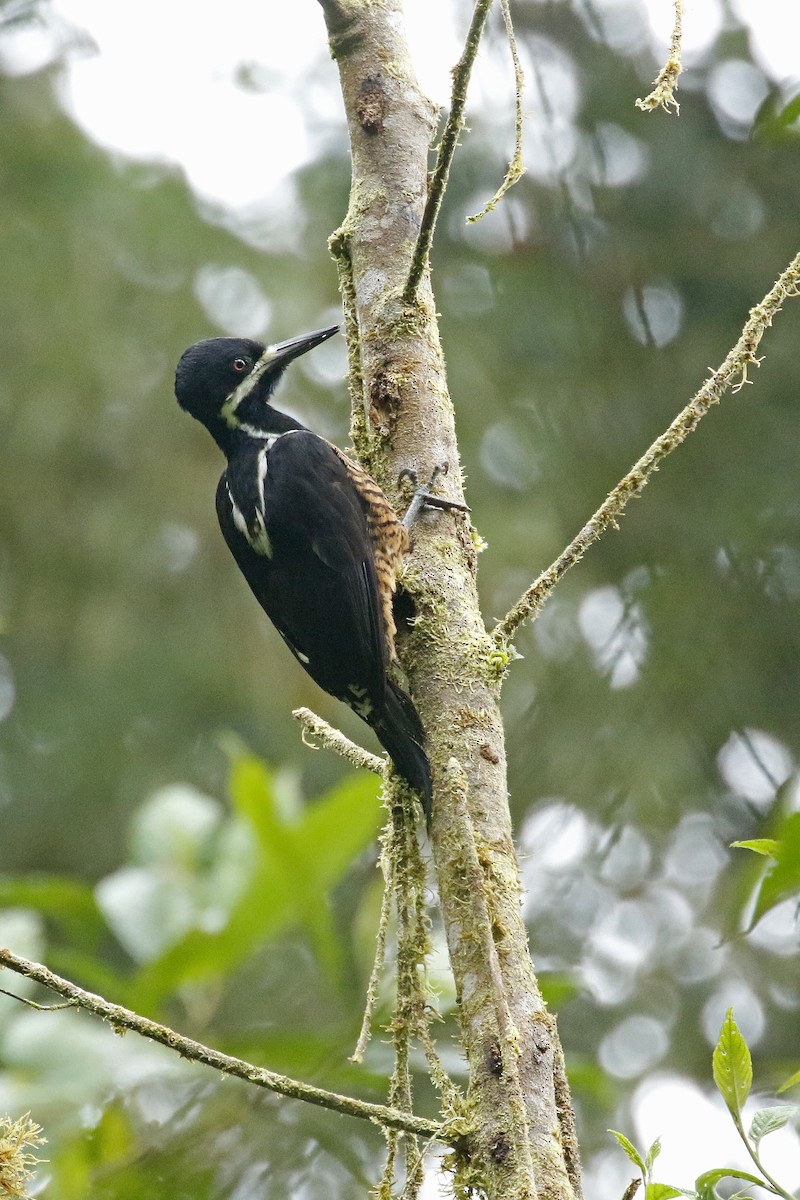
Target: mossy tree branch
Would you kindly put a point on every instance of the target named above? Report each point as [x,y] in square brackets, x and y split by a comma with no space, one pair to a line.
[732,372]
[447,149]
[516,167]
[315,730]
[120,1018]
[523,1144]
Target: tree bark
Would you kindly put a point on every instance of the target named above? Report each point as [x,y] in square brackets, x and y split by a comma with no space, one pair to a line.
[523,1142]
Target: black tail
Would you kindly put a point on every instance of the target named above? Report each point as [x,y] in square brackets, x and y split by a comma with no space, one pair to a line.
[400,732]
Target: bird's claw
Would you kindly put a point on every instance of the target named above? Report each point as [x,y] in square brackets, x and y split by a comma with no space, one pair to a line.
[407,475]
[423,495]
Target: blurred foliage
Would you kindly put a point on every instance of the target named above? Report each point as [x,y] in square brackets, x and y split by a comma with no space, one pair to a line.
[204,923]
[778,116]
[652,721]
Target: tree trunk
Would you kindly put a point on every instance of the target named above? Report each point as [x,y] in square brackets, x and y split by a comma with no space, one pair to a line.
[523,1144]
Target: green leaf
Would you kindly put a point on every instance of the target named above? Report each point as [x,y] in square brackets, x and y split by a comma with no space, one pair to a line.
[264,909]
[732,1066]
[706,1182]
[299,859]
[252,792]
[662,1191]
[792,1081]
[767,1120]
[766,846]
[631,1151]
[775,120]
[332,833]
[652,1155]
[340,825]
[783,878]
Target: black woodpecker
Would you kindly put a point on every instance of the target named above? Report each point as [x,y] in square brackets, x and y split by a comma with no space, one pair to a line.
[314,536]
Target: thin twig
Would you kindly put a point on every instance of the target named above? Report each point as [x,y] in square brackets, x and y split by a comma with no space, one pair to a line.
[386,864]
[334,739]
[122,1018]
[39,1007]
[742,356]
[516,168]
[447,148]
[665,83]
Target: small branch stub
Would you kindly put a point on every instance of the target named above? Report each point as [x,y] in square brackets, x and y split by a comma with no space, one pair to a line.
[316,730]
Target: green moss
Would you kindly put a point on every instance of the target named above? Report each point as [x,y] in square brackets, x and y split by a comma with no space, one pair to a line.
[497,663]
[478,542]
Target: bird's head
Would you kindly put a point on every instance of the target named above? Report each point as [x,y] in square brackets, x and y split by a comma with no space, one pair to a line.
[226,383]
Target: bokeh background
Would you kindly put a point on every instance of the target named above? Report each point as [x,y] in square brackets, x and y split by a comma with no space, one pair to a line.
[164,833]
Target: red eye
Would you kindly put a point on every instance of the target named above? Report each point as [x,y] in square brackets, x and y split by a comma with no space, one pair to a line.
[240,365]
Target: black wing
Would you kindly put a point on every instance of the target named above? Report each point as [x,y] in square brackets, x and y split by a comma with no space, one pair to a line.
[314,575]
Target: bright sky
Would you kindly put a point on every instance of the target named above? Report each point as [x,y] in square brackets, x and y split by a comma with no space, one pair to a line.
[157,80]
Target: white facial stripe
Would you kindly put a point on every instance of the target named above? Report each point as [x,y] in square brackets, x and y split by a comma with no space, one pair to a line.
[244,389]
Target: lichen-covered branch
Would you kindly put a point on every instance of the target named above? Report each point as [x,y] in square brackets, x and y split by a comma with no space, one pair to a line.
[732,373]
[120,1018]
[447,148]
[516,167]
[665,83]
[339,247]
[17,1163]
[317,730]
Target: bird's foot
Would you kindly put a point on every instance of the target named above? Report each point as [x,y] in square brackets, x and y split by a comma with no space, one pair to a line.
[423,494]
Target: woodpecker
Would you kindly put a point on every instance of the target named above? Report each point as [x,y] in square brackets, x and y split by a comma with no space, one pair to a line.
[313,534]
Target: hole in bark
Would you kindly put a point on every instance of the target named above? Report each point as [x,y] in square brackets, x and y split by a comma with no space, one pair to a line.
[500,1148]
[495,1058]
[384,401]
[404,610]
[371,104]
